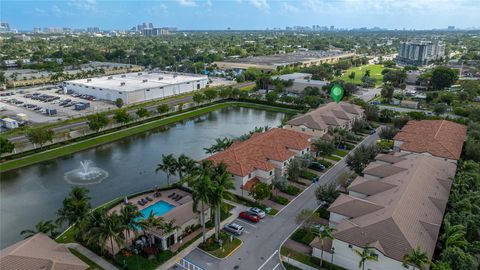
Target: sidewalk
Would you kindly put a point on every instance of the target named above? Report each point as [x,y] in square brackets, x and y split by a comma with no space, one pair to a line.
[92,256]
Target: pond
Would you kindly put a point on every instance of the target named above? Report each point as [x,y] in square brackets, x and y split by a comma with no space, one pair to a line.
[36,192]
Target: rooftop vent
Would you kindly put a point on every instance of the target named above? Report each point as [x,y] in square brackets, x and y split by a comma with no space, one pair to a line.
[122,84]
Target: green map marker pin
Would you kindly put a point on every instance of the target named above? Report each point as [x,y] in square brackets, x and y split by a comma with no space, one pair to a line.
[336,93]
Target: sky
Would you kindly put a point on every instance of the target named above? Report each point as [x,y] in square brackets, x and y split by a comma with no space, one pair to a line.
[241,14]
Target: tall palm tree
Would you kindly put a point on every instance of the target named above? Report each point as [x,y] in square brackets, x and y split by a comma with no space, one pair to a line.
[168,166]
[222,184]
[201,188]
[75,206]
[47,227]
[322,234]
[129,216]
[416,257]
[367,254]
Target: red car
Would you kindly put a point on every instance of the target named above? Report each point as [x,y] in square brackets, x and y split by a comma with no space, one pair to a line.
[249,216]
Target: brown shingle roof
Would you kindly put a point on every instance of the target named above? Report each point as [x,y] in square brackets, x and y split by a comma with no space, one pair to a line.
[412,209]
[331,114]
[440,138]
[245,157]
[39,252]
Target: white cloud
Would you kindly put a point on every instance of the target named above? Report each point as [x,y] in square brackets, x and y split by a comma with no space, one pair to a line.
[290,8]
[261,4]
[187,3]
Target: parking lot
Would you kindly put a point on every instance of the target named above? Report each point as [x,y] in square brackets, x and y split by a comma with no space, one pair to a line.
[49,104]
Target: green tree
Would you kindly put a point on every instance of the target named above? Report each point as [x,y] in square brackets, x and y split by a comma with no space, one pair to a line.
[260,191]
[361,156]
[417,258]
[47,227]
[142,112]
[443,77]
[39,135]
[6,146]
[440,108]
[367,254]
[324,233]
[162,108]
[75,206]
[326,194]
[119,103]
[168,166]
[122,116]
[97,121]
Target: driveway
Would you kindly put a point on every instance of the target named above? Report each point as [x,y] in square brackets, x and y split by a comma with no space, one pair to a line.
[263,240]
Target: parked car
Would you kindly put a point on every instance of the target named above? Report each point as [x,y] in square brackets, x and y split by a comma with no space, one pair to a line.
[234,228]
[257,211]
[249,216]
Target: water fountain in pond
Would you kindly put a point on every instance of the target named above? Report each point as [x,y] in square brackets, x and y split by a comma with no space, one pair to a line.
[86,174]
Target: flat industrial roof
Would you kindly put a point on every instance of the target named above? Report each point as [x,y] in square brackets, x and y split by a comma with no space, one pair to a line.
[287,58]
[134,81]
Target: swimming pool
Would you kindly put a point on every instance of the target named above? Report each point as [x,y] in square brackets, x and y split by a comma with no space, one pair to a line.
[158,209]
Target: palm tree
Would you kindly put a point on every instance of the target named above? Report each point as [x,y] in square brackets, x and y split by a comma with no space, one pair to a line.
[168,166]
[366,255]
[129,216]
[222,184]
[416,257]
[75,206]
[47,227]
[201,188]
[322,234]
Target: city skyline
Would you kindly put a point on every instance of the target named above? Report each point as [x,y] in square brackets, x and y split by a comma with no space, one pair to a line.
[240,14]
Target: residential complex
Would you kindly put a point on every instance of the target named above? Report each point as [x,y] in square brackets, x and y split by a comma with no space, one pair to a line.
[395,207]
[439,138]
[299,82]
[270,63]
[263,157]
[39,252]
[318,122]
[137,87]
[420,53]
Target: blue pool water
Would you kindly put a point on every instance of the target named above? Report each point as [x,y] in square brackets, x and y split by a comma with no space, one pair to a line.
[159,208]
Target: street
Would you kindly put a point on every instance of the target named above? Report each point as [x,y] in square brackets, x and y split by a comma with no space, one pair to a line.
[262,241]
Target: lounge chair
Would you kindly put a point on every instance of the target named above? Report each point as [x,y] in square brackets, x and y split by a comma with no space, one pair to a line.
[171,195]
[149,199]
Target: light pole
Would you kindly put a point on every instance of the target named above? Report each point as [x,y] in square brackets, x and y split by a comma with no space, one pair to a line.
[331,259]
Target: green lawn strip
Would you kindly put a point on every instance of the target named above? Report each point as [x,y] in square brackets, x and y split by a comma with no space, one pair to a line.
[212,247]
[96,141]
[340,152]
[92,264]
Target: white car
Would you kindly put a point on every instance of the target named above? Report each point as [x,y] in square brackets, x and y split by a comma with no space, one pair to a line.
[234,228]
[257,211]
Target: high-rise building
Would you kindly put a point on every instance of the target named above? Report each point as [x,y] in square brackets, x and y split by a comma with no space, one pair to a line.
[419,53]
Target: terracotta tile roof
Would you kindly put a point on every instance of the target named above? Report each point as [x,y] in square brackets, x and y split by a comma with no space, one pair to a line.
[412,204]
[39,252]
[440,138]
[331,114]
[245,157]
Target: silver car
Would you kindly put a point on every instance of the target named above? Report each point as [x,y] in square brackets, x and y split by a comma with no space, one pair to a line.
[234,228]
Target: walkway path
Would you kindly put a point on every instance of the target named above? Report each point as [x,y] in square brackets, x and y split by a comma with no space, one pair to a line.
[92,256]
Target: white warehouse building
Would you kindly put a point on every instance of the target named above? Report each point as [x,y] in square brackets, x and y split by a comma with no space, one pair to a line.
[137,87]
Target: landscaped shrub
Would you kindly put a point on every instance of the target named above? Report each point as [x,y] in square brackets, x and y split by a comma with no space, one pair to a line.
[307,175]
[291,190]
[280,200]
[325,163]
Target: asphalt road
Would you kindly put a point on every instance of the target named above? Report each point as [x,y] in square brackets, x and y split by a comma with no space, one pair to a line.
[262,241]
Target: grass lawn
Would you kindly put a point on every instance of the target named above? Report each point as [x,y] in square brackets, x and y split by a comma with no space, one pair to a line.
[340,152]
[92,265]
[375,72]
[109,137]
[212,247]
